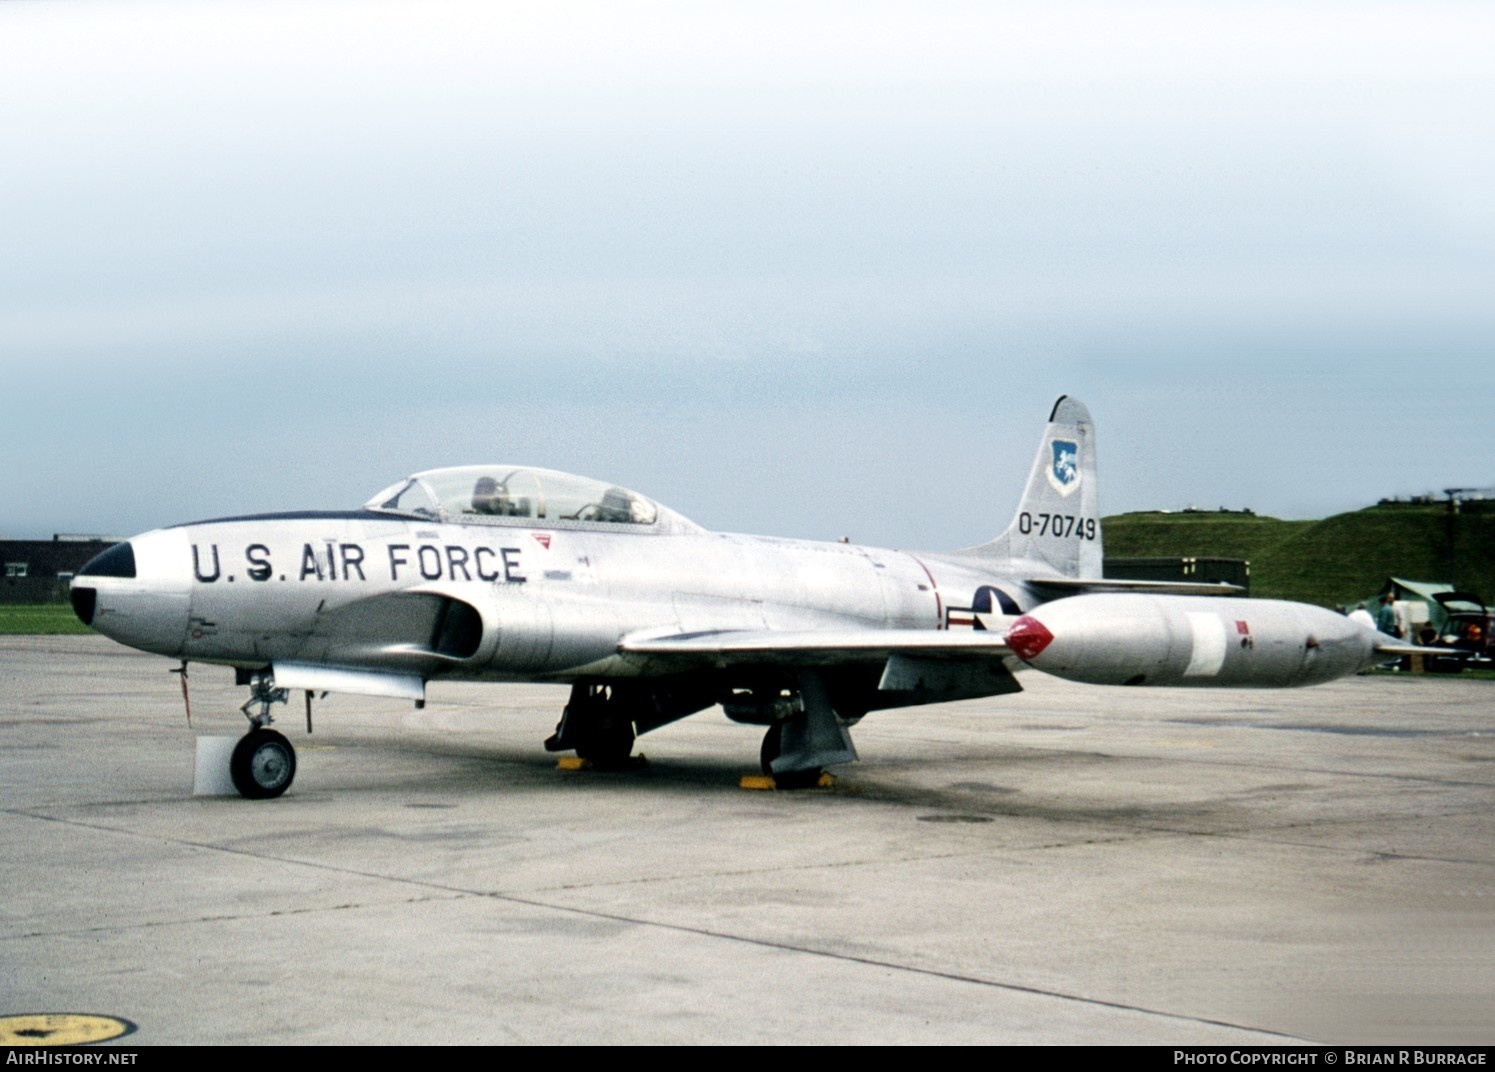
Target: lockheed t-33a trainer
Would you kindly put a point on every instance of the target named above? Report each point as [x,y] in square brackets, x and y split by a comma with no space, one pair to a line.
[503,573]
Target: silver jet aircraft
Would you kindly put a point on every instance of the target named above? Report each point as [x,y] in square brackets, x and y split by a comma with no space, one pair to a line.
[504,573]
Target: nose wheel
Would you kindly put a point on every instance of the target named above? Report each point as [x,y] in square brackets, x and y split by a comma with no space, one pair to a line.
[263,764]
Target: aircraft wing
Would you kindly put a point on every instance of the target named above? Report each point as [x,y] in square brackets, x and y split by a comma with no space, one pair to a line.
[919,666]
[818,647]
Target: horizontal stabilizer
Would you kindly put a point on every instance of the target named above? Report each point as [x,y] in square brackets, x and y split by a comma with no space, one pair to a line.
[1392,646]
[1078,585]
[316,678]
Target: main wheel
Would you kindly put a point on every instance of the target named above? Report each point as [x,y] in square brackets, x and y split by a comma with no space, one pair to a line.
[263,765]
[608,743]
[773,745]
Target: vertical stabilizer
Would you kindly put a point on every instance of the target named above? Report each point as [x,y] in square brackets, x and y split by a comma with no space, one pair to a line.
[1057,527]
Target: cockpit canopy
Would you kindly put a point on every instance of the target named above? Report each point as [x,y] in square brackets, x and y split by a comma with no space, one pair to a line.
[505,494]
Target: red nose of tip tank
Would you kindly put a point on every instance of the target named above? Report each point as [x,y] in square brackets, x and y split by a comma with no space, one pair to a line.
[1028,637]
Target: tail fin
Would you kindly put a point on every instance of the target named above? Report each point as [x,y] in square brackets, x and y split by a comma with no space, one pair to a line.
[1057,526]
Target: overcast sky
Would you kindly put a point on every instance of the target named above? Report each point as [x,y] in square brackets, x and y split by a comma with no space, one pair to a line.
[807,269]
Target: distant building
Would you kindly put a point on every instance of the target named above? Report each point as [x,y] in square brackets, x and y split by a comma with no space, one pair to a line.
[1244,511]
[41,571]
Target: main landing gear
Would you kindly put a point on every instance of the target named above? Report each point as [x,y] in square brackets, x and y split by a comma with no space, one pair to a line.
[597,724]
[796,749]
[805,733]
[264,763]
[603,718]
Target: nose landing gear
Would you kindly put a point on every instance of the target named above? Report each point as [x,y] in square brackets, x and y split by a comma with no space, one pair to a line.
[264,763]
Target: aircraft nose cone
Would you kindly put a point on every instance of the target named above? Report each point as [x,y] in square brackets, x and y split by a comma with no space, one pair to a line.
[136,592]
[1028,637]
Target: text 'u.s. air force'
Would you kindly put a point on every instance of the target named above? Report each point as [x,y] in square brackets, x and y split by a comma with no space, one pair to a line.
[335,561]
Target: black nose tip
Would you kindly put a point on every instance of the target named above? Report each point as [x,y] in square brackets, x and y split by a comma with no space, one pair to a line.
[84,600]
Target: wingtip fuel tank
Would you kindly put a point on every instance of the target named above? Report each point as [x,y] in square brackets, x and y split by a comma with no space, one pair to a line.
[1199,641]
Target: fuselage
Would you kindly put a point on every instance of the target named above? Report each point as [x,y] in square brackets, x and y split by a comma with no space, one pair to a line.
[365,589]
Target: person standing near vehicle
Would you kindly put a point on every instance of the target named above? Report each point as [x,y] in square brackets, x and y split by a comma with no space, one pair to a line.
[1386,617]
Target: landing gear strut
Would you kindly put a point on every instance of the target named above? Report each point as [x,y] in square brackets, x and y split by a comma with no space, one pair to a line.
[264,763]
